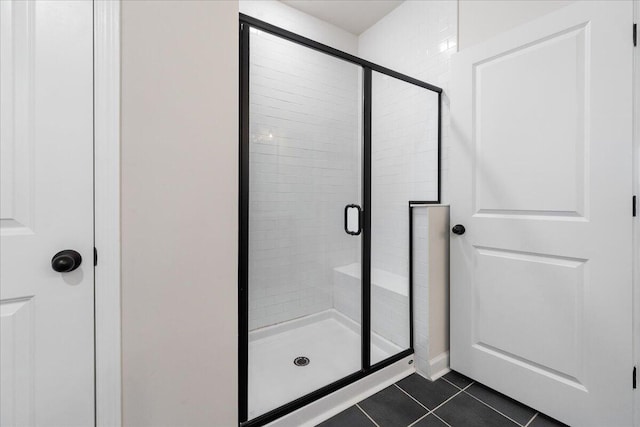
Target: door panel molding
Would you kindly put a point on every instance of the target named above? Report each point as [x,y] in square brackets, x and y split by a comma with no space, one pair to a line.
[17,340]
[507,176]
[528,364]
[17,169]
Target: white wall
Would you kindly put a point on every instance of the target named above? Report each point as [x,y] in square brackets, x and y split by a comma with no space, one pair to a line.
[305,144]
[281,15]
[482,19]
[179,212]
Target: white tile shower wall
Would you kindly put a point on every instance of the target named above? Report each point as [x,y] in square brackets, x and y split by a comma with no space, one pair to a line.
[283,16]
[404,166]
[304,168]
[347,294]
[418,38]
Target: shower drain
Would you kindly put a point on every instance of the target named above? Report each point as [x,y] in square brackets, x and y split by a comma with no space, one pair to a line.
[301,361]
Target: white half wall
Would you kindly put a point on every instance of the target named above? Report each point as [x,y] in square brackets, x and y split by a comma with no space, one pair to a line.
[431,289]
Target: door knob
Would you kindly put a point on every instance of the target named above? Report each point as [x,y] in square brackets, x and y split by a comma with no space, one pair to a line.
[66,261]
[458,229]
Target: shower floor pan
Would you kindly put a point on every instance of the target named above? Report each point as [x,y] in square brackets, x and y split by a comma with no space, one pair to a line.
[329,340]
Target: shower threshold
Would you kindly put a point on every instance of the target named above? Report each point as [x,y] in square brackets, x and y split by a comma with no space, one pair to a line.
[329,340]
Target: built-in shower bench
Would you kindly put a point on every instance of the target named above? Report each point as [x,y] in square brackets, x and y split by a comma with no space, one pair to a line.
[389,300]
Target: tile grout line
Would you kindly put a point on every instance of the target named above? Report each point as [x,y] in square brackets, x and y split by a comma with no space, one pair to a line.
[367,415]
[436,415]
[455,385]
[413,398]
[532,418]
[426,415]
[460,390]
[486,404]
[491,407]
[446,401]
[420,419]
[432,411]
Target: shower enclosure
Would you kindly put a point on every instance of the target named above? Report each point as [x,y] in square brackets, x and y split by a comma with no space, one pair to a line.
[334,149]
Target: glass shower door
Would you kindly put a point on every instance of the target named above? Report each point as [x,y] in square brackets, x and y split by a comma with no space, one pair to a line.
[404,168]
[304,240]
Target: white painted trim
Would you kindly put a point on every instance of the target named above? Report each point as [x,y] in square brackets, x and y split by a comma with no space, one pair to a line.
[328,406]
[107,211]
[636,222]
[439,366]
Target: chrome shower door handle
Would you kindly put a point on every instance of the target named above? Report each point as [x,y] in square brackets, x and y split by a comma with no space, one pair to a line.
[353,219]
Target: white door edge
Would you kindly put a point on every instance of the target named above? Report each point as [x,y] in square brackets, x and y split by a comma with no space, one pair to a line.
[636,222]
[107,212]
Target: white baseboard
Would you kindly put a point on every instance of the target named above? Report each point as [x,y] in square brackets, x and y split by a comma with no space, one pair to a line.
[439,366]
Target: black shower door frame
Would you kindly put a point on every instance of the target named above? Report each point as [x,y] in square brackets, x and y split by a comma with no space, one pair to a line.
[247,22]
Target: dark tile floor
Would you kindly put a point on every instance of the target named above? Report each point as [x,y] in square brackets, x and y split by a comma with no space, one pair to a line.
[454,400]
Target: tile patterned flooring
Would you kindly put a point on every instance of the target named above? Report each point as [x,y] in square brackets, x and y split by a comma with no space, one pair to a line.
[453,400]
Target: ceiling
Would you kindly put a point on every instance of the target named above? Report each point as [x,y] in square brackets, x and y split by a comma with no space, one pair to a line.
[354,16]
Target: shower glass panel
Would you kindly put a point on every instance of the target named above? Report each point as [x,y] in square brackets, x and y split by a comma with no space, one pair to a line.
[304,285]
[404,168]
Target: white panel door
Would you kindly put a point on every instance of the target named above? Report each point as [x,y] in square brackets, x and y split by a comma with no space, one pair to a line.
[541,180]
[46,121]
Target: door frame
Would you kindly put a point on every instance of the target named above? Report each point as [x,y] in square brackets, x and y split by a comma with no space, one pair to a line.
[106,71]
[636,222]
